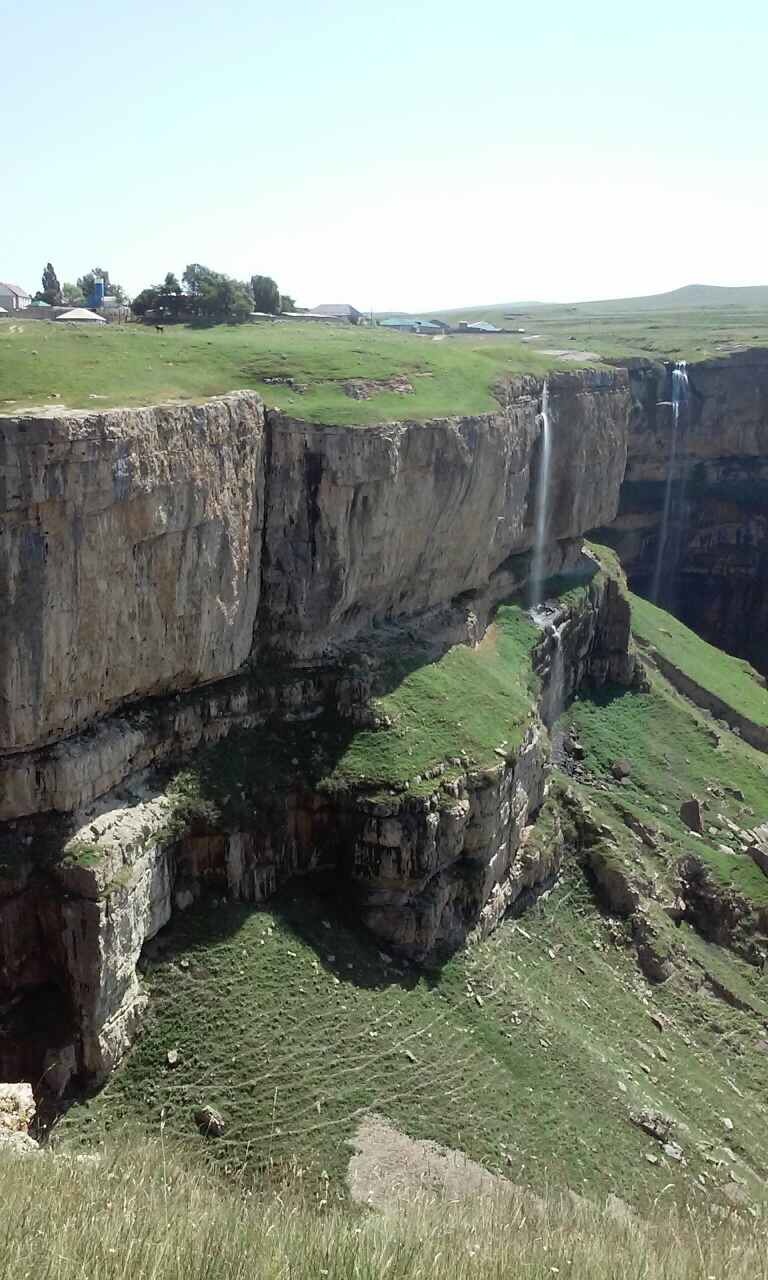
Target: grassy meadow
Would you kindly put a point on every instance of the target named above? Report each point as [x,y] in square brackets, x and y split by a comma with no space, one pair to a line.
[42,363]
[143,1213]
[46,364]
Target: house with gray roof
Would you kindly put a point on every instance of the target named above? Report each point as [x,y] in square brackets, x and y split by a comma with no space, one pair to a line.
[338,311]
[13,298]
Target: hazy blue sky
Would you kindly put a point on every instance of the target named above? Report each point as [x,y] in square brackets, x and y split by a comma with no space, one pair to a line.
[408,155]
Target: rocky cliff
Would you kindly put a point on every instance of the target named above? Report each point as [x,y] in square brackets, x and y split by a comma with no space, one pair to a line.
[714,568]
[177,573]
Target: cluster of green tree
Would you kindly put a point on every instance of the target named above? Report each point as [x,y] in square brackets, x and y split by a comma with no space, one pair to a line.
[79,294]
[204,294]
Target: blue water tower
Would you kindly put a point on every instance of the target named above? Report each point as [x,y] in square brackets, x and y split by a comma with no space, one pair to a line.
[97,296]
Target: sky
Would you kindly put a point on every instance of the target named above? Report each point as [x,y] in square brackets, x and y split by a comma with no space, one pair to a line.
[392,155]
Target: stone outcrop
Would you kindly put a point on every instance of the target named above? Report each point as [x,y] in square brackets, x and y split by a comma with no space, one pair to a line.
[366,525]
[715,570]
[422,869]
[198,569]
[130,554]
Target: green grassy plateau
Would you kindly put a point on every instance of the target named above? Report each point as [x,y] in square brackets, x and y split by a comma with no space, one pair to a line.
[526,1051]
[45,364]
[42,363]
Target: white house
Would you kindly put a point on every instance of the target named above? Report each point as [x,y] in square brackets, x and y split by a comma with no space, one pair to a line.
[13,298]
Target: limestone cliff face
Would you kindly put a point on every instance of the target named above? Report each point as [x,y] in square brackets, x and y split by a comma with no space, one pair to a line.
[146,553]
[130,552]
[421,869]
[364,525]
[715,569]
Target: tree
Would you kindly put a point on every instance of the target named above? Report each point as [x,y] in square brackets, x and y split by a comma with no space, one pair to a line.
[287,303]
[171,283]
[266,295]
[51,290]
[222,298]
[72,295]
[214,296]
[147,300]
[86,284]
[193,276]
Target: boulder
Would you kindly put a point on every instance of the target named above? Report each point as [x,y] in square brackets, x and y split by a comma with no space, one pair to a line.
[654,1123]
[758,848]
[690,812]
[621,769]
[17,1107]
[210,1122]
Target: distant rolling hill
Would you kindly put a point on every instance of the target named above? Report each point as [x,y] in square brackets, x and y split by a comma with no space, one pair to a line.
[689,297]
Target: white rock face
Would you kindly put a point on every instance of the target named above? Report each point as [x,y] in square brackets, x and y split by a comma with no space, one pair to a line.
[379,522]
[130,546]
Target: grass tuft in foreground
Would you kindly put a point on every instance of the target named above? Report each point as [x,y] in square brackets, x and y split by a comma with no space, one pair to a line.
[141,1214]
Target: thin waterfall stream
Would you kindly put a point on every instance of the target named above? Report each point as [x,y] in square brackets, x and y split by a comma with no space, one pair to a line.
[538,559]
[679,401]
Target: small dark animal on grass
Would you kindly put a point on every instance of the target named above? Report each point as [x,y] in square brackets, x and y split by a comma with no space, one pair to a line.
[159,328]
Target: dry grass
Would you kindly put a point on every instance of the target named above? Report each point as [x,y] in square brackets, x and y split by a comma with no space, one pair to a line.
[142,1215]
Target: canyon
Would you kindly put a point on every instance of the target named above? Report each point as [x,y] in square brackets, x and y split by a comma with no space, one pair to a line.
[716,559]
[191,583]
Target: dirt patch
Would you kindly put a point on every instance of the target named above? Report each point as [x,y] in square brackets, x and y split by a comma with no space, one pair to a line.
[570,357]
[364,388]
[489,640]
[388,1167]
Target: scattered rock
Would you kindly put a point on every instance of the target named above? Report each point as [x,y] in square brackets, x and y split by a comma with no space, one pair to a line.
[17,1107]
[735,1195]
[674,1152]
[210,1122]
[736,792]
[654,1123]
[690,812]
[172,1057]
[727,1124]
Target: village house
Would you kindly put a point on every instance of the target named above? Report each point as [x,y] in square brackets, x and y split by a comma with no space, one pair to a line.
[12,298]
[338,311]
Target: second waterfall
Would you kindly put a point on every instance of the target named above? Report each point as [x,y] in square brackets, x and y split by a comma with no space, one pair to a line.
[541,526]
[662,587]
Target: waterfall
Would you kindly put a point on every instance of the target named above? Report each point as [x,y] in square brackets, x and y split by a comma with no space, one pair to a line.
[536,584]
[556,691]
[679,399]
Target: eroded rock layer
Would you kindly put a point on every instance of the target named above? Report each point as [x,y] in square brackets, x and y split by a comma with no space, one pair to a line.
[713,570]
[148,553]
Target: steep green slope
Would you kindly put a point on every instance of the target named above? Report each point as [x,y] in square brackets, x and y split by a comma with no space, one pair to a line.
[675,751]
[530,1051]
[731,679]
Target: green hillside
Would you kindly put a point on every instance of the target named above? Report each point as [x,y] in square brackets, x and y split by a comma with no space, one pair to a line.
[692,323]
[529,1051]
[731,679]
